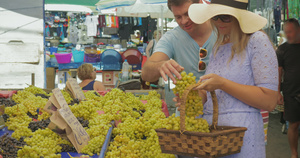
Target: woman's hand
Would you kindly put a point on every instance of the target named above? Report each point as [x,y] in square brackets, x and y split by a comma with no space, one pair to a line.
[211,82]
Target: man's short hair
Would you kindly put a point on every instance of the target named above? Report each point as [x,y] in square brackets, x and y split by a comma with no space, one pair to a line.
[292,21]
[179,2]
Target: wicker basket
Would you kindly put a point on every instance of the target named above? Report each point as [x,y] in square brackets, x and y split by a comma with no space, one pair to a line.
[221,141]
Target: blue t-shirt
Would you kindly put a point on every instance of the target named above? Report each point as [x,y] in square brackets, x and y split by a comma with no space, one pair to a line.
[182,48]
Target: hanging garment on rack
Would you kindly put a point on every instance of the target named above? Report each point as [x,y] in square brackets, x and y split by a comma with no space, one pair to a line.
[91,22]
[113,22]
[140,21]
[117,22]
[126,21]
[73,32]
[47,31]
[294,9]
[65,29]
[277,17]
[60,32]
[102,22]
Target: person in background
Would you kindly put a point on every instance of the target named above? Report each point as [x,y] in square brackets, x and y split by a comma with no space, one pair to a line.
[87,74]
[289,69]
[242,70]
[152,43]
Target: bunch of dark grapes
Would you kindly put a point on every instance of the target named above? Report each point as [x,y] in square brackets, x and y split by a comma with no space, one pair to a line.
[5,117]
[83,122]
[74,101]
[67,148]
[35,125]
[9,146]
[7,102]
[42,95]
[32,116]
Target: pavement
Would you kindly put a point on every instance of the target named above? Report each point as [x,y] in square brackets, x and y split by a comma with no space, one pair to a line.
[277,146]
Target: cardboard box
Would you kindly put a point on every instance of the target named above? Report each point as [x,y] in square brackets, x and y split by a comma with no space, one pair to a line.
[63,76]
[110,77]
[50,77]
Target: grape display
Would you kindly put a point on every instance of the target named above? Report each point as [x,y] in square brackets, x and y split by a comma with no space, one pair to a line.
[138,122]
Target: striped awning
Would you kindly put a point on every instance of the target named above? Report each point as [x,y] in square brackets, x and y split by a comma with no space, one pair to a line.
[107,4]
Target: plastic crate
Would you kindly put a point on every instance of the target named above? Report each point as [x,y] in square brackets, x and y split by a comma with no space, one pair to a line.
[92,58]
[63,58]
[111,60]
[78,56]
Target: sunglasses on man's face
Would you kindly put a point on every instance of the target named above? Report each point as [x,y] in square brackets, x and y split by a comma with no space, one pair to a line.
[202,64]
[223,18]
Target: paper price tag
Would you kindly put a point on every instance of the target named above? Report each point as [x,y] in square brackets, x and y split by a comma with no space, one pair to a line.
[75,89]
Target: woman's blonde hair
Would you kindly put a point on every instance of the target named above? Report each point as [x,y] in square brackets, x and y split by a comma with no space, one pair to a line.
[85,71]
[237,37]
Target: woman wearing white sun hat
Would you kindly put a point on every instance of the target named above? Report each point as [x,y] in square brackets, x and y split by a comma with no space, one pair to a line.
[243,70]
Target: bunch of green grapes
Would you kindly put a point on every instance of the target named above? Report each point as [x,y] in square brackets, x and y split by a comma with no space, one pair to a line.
[32,103]
[21,131]
[172,122]
[35,90]
[94,145]
[13,123]
[181,85]
[196,124]
[18,109]
[91,95]
[85,109]
[43,143]
[45,115]
[191,124]
[36,152]
[21,95]
[151,94]
[193,106]
[123,146]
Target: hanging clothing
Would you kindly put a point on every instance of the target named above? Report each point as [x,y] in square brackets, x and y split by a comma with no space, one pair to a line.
[73,32]
[102,22]
[294,9]
[277,17]
[47,31]
[91,22]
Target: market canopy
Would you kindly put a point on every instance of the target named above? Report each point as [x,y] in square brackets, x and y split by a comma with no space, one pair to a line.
[73,2]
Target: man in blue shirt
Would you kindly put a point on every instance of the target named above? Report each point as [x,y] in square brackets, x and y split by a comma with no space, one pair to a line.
[179,48]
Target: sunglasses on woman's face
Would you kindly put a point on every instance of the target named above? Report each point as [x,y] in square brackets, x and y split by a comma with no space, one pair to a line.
[202,64]
[95,69]
[223,18]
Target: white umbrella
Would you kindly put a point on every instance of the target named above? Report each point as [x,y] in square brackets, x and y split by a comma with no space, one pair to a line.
[67,8]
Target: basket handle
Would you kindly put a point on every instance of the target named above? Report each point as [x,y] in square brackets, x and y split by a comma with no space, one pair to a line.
[183,102]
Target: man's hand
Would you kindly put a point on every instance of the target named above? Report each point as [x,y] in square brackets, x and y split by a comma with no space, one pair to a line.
[279,99]
[177,101]
[169,68]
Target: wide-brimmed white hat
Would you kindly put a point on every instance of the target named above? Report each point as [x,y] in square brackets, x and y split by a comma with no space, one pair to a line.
[249,21]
